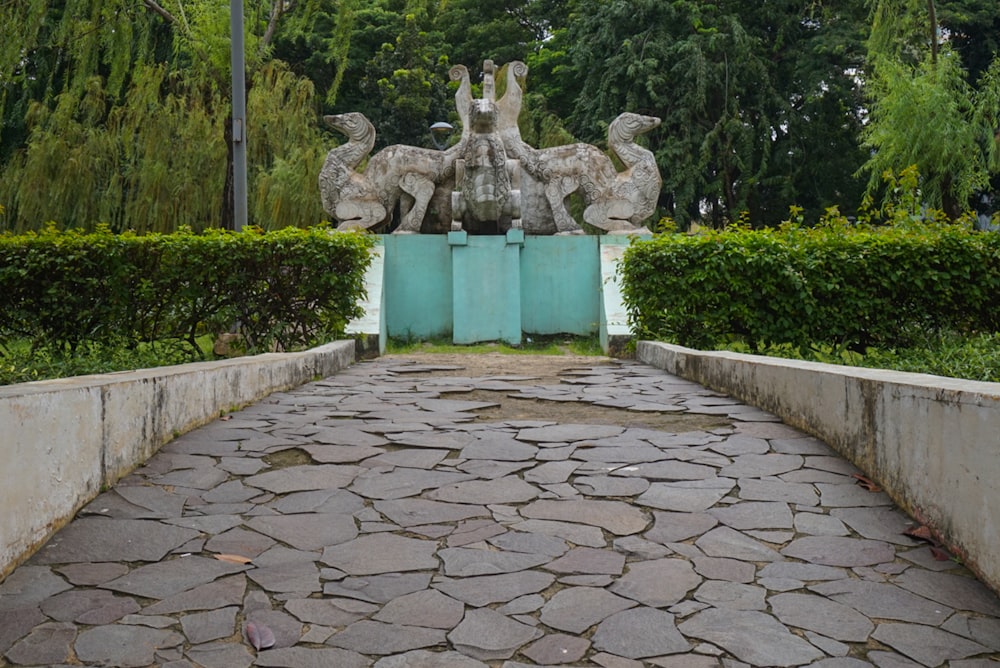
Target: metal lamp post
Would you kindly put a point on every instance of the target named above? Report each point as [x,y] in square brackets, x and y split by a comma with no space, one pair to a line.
[239,115]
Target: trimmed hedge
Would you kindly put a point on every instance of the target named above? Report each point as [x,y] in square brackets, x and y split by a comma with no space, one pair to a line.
[289,289]
[842,286]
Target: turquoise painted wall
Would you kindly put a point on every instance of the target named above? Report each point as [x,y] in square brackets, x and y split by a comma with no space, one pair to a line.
[488,288]
[560,285]
[418,285]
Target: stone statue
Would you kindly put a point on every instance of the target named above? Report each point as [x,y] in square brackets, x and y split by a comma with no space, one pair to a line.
[487,195]
[495,180]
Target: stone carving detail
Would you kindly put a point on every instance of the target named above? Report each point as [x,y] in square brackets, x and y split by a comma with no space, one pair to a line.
[495,179]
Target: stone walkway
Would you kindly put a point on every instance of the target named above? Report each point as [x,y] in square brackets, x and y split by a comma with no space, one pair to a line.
[395,516]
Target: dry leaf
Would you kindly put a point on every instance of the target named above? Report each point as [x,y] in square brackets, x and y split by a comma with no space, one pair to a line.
[259,636]
[226,417]
[939,554]
[867,483]
[234,558]
[922,532]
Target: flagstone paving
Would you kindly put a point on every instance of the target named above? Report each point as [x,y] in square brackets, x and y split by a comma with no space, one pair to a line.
[414,514]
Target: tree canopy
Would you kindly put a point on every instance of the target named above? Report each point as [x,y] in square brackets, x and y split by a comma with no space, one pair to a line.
[117,111]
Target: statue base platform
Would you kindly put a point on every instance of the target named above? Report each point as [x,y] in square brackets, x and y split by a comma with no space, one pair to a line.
[472,289]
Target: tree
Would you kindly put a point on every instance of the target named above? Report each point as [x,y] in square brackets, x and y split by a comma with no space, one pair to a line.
[925,112]
[118,113]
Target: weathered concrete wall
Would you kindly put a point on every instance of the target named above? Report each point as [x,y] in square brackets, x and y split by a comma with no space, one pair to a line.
[932,443]
[62,440]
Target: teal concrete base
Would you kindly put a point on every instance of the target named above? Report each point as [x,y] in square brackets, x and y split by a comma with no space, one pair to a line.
[475,288]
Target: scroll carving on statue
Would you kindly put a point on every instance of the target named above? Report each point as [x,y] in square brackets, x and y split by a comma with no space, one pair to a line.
[348,197]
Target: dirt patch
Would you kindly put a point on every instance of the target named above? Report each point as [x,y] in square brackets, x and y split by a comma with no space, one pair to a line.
[547,370]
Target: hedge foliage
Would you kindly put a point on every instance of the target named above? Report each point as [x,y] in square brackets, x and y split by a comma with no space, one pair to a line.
[839,285]
[287,289]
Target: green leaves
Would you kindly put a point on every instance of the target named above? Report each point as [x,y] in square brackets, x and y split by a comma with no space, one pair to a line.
[287,289]
[843,288]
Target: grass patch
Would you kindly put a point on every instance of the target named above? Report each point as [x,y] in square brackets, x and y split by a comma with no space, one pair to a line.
[533,345]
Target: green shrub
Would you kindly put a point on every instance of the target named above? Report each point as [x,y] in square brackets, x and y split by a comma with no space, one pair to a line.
[847,287]
[286,289]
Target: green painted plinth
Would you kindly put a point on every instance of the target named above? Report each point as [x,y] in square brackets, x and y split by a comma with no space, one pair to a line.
[486,288]
[474,288]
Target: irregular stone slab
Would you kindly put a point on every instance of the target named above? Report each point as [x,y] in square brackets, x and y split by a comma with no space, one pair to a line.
[125,646]
[885,524]
[751,636]
[47,644]
[840,551]
[297,577]
[103,539]
[684,439]
[487,635]
[286,628]
[91,574]
[928,645]
[487,589]
[588,560]
[463,561]
[658,583]
[382,553]
[206,477]
[630,454]
[741,445]
[688,496]
[429,608]
[731,595]
[640,548]
[821,615]
[576,609]
[804,572]
[509,489]
[401,483]
[985,631]
[668,470]
[727,542]
[154,498]
[202,627]
[305,477]
[421,658]
[617,517]
[222,592]
[819,525]
[520,541]
[499,447]
[788,492]
[233,491]
[239,541]
[761,466]
[369,637]
[307,531]
[755,515]
[409,458]
[720,568]
[551,472]
[347,436]
[319,501]
[676,527]
[88,606]
[329,611]
[166,578]
[884,601]
[414,512]
[962,593]
[640,633]
[220,654]
[609,486]
[303,657]
[556,648]
[15,624]
[832,495]
[210,524]
[378,588]
[453,440]
[566,433]
[454,405]
[578,534]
